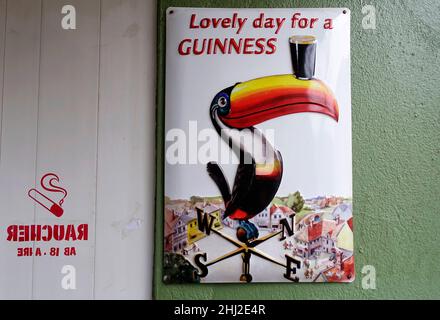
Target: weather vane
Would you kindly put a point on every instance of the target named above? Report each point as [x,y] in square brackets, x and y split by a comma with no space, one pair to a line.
[234,112]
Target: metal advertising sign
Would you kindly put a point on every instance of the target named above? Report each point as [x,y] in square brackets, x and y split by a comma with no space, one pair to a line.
[258,178]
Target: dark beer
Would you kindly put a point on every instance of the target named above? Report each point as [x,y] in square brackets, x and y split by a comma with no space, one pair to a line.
[303,54]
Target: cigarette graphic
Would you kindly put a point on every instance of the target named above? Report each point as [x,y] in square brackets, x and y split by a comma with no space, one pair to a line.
[47,183]
[45,202]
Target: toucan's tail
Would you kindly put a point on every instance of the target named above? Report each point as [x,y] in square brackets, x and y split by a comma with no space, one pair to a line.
[216,174]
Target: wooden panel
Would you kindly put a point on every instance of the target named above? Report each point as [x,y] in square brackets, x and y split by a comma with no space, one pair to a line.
[67,140]
[124,244]
[2,56]
[54,113]
[18,139]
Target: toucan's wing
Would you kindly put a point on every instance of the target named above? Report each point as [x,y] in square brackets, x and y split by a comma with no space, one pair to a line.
[216,174]
[244,179]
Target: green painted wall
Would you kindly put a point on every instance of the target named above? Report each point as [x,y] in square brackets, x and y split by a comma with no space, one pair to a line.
[396,155]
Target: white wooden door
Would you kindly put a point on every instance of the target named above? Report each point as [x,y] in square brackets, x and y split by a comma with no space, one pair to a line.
[80,104]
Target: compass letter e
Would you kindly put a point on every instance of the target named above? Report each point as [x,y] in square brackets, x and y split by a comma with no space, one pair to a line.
[290,269]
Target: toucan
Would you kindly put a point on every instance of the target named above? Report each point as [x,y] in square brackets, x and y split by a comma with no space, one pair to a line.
[234,112]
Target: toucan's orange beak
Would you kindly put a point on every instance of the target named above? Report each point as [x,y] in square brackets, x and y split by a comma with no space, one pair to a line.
[258,100]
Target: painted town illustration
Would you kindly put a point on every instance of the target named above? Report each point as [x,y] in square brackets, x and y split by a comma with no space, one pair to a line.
[322,240]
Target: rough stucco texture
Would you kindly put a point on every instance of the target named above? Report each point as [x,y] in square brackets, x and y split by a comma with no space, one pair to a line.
[396,167]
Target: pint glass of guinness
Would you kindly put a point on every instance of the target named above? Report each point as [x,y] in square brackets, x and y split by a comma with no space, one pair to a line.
[303,54]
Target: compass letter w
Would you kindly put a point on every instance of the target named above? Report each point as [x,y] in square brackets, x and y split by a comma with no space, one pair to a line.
[204,221]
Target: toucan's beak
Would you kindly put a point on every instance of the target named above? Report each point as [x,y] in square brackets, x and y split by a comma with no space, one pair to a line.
[261,99]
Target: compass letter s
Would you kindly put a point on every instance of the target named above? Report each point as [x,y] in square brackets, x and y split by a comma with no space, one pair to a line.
[203,268]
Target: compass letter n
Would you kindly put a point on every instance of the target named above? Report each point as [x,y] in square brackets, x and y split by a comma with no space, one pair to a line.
[286,228]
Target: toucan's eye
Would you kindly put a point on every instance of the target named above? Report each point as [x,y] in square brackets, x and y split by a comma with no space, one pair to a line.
[222,102]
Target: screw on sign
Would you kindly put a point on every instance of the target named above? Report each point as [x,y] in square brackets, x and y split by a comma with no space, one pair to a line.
[47,183]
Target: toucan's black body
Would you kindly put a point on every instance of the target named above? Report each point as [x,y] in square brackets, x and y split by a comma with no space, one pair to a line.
[234,111]
[251,193]
[253,189]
